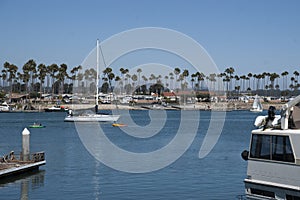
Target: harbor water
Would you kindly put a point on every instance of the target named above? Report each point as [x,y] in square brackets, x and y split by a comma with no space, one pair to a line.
[71,172]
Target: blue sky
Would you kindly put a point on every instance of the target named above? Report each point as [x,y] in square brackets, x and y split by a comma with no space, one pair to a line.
[251,36]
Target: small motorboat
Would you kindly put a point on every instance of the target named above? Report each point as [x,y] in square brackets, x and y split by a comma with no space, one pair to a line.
[56,108]
[4,107]
[36,125]
[118,125]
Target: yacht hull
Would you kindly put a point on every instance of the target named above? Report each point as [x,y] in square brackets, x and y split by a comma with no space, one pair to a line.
[92,118]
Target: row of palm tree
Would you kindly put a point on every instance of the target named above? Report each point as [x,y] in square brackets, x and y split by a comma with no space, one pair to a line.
[57,79]
[32,77]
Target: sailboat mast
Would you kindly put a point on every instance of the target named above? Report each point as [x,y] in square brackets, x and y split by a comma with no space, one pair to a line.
[97,78]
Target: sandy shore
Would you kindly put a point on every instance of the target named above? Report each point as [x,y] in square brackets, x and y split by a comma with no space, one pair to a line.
[196,106]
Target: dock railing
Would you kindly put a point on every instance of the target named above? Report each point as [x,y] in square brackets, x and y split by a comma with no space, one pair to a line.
[18,158]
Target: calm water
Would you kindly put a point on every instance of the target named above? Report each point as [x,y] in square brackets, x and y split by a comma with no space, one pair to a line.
[72,173]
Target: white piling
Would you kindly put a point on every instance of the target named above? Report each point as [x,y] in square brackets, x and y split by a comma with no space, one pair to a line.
[25,145]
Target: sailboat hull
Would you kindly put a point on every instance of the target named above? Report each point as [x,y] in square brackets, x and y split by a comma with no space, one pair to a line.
[256,110]
[92,118]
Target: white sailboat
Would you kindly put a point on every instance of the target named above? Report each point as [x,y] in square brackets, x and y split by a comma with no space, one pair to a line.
[92,117]
[256,107]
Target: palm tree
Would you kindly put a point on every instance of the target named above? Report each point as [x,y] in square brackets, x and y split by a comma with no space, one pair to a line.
[28,69]
[220,85]
[273,77]
[284,79]
[236,82]
[296,73]
[62,74]
[74,72]
[212,79]
[11,69]
[42,69]
[230,72]
[171,75]
[292,83]
[166,80]
[243,87]
[250,76]
[123,72]
[80,77]
[176,72]
[193,79]
[185,74]
[139,76]
[52,70]
[117,80]
[134,78]
[32,70]
[226,81]
[181,78]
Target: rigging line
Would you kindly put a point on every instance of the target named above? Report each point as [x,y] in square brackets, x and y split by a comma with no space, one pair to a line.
[102,55]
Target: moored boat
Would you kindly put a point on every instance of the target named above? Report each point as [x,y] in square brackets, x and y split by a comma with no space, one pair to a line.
[119,125]
[56,109]
[256,107]
[4,107]
[93,117]
[36,125]
[274,155]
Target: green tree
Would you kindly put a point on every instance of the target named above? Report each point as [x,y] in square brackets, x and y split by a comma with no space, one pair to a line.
[42,69]
[29,68]
[61,76]
[109,76]
[11,69]
[52,70]
[134,78]
[74,73]
[176,72]
[230,72]
[139,71]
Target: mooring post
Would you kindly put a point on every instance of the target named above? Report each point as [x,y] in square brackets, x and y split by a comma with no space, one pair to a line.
[25,145]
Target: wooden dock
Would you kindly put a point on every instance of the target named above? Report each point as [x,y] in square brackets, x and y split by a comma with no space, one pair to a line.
[12,166]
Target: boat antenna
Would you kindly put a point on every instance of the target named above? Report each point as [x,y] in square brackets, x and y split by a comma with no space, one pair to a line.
[97,78]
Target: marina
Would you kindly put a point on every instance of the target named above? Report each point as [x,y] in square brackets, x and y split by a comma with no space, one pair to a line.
[194,177]
[72,173]
[151,100]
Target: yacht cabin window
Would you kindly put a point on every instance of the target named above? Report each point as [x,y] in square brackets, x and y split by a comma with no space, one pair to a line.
[271,147]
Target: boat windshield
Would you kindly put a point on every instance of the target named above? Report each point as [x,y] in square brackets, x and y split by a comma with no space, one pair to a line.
[271,147]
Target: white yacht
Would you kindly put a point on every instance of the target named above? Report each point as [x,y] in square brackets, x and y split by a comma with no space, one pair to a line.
[4,107]
[91,117]
[274,155]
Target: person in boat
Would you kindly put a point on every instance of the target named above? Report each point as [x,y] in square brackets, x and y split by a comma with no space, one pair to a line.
[70,112]
[269,120]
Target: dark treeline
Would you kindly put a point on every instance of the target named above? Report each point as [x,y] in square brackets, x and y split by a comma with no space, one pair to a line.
[36,79]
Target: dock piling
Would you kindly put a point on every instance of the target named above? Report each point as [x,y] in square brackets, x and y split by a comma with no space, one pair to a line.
[25,145]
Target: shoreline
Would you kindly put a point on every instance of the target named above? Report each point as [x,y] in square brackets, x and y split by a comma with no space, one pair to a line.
[222,106]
